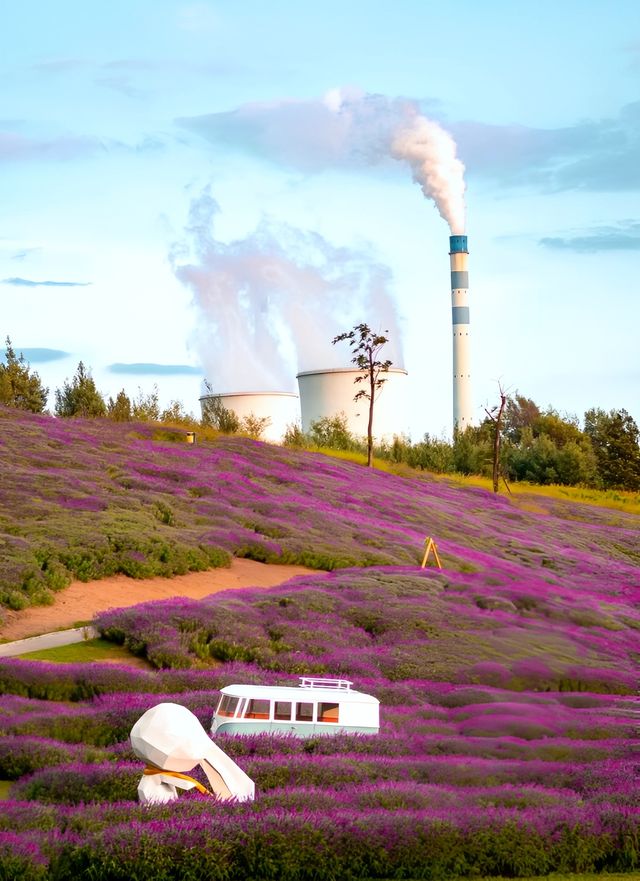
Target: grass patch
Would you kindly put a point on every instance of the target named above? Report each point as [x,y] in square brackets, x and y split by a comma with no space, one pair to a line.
[588,876]
[84,652]
[618,500]
[5,786]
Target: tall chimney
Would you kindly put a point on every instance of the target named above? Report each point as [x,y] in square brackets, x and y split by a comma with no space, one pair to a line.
[462,406]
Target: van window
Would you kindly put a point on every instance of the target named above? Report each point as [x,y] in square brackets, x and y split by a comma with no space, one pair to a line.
[304,712]
[282,711]
[227,705]
[257,709]
[327,713]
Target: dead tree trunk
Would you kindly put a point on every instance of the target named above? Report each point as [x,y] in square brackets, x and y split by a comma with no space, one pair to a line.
[497,423]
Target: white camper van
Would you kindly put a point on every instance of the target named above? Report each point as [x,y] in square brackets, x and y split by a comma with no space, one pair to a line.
[315,706]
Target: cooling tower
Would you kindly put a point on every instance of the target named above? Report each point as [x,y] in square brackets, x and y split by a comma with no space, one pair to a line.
[328,393]
[281,408]
[462,404]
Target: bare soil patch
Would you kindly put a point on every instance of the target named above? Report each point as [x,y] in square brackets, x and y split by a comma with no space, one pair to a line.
[81,601]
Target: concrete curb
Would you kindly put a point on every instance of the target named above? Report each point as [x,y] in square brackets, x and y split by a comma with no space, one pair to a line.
[46,641]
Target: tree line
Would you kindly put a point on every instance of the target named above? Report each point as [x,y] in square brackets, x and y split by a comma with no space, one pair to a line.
[21,387]
[538,445]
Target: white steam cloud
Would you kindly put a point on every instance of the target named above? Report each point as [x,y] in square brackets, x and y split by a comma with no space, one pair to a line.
[347,128]
[270,304]
[375,125]
[431,153]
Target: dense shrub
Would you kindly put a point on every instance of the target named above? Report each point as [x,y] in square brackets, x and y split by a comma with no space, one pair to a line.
[495,756]
[394,623]
[152,507]
[80,783]
[24,755]
[21,859]
[343,845]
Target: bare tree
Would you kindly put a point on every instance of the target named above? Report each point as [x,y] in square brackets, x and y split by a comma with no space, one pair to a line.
[495,414]
[366,346]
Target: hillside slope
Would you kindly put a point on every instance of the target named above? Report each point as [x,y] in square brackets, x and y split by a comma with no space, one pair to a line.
[87,499]
[508,740]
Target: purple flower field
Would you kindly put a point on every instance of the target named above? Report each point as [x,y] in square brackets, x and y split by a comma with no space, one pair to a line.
[508,681]
[462,780]
[85,499]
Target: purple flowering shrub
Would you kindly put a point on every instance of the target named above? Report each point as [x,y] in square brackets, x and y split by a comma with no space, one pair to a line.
[345,843]
[452,784]
[80,783]
[20,755]
[21,857]
[393,623]
[508,681]
[84,499]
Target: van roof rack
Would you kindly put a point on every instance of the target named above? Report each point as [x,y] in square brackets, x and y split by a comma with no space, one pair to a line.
[313,682]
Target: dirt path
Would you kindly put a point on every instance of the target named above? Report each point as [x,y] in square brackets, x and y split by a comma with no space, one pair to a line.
[80,601]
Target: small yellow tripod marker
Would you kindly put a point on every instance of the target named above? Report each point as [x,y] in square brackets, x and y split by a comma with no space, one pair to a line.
[430,547]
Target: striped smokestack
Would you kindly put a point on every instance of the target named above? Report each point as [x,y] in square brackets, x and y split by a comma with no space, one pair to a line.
[462,406]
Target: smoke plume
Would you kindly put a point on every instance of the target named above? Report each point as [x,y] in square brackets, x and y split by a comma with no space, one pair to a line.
[347,128]
[269,305]
[377,126]
[431,153]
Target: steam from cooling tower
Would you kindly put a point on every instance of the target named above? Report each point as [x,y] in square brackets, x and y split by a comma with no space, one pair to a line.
[269,305]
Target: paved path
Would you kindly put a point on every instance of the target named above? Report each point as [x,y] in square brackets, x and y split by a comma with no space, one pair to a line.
[46,641]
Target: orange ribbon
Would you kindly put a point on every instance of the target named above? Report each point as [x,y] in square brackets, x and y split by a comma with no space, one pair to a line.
[150,771]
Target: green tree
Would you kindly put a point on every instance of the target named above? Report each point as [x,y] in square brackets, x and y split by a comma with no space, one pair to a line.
[533,459]
[561,429]
[332,432]
[541,446]
[544,460]
[254,426]
[430,454]
[576,464]
[80,397]
[19,387]
[176,414]
[146,407]
[473,449]
[614,436]
[216,415]
[295,437]
[120,409]
[366,346]
[519,413]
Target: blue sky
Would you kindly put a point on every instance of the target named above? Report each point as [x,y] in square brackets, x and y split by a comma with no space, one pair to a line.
[180,198]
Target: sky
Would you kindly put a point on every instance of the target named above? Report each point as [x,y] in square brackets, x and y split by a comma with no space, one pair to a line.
[216,189]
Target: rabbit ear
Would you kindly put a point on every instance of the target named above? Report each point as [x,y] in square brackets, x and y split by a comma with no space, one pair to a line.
[218,786]
[227,779]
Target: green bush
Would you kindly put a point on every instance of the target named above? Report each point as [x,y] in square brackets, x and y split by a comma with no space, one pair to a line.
[95,729]
[297,846]
[20,865]
[81,784]
[24,755]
